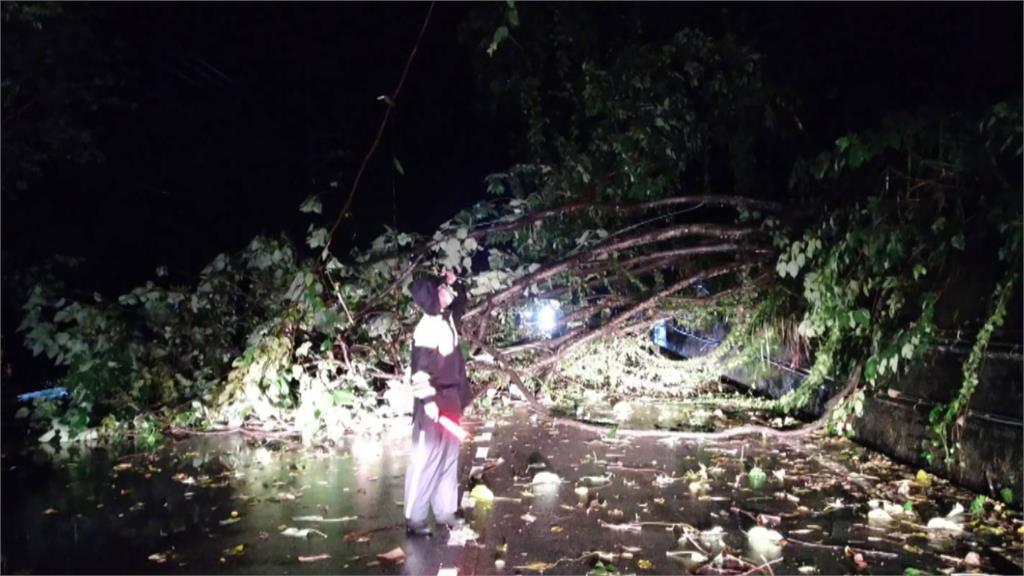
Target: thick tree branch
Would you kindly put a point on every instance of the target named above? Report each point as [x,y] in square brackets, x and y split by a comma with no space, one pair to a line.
[513,375]
[662,312]
[638,308]
[546,213]
[747,430]
[513,291]
[607,301]
[535,344]
[666,256]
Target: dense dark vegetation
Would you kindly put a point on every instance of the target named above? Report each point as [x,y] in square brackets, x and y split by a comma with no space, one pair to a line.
[823,170]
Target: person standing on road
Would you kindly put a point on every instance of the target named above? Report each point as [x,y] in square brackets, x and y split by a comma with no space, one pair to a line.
[440,387]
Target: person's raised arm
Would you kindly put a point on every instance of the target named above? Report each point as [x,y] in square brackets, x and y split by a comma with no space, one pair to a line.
[461,301]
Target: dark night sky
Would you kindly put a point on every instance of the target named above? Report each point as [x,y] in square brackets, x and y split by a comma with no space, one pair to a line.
[243,110]
[240,107]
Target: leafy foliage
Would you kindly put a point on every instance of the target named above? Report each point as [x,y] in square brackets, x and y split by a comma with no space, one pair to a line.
[156,346]
[872,272]
[632,366]
[946,420]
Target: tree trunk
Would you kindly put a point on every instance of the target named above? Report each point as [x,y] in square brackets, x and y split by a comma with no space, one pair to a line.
[746,430]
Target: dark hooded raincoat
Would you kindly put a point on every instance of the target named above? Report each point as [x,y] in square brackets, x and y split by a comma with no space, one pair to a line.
[438,375]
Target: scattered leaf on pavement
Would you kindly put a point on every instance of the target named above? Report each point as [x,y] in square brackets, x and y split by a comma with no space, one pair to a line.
[481,493]
[293,532]
[764,542]
[322,519]
[536,566]
[235,550]
[393,556]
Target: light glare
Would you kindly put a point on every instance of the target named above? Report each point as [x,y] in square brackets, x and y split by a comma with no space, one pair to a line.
[546,319]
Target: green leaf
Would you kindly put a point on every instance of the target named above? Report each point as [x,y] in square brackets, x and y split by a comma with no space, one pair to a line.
[757,477]
[871,368]
[861,316]
[1007,495]
[781,268]
[958,242]
[907,351]
[77,420]
[793,268]
[978,505]
[398,167]
[499,36]
[343,397]
[311,205]
[317,238]
[908,506]
[513,17]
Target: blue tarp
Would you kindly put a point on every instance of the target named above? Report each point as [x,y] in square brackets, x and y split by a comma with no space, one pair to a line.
[46,394]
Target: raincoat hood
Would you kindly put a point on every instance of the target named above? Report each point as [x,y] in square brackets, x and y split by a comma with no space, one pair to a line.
[424,294]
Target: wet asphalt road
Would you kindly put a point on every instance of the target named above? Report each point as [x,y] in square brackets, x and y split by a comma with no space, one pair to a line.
[219,504]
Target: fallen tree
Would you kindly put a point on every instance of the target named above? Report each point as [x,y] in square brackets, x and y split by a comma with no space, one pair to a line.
[284,337]
[331,340]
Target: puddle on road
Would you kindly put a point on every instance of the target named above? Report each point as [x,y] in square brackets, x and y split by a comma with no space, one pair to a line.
[208,504]
[643,505]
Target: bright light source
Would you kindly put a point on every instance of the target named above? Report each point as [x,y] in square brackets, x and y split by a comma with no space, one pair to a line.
[365,450]
[547,318]
[541,317]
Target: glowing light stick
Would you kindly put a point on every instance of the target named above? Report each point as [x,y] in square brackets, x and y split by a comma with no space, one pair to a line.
[452,427]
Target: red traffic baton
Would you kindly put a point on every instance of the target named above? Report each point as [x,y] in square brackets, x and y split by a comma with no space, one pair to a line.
[456,430]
